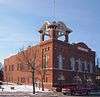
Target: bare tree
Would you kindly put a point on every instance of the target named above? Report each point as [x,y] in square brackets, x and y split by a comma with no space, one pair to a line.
[41,69]
[44,68]
[28,57]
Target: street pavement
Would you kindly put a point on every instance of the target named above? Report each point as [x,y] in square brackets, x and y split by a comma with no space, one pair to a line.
[40,94]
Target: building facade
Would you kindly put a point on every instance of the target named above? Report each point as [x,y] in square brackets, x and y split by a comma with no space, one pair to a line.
[64,63]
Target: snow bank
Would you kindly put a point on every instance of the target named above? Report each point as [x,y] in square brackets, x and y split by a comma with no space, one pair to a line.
[19,88]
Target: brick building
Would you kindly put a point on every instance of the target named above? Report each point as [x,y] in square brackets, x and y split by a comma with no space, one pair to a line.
[64,62]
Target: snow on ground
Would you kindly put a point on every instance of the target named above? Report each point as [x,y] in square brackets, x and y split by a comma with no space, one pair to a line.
[19,88]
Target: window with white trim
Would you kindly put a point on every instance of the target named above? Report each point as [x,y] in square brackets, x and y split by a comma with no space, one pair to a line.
[72,63]
[60,62]
[91,67]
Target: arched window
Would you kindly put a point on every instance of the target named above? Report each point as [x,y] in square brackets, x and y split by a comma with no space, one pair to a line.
[60,61]
[91,67]
[72,63]
[83,66]
[80,65]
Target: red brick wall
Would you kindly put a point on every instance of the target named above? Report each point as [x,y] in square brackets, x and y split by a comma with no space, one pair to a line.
[68,51]
[51,48]
[14,74]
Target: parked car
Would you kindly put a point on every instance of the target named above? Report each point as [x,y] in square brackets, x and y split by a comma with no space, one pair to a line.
[77,89]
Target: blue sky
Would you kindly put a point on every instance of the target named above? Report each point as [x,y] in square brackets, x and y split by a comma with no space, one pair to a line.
[21,19]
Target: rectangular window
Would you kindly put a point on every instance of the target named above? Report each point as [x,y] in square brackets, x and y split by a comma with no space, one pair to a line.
[5,68]
[11,79]
[60,62]
[18,67]
[85,63]
[91,67]
[88,67]
[76,66]
[45,61]
[80,65]
[9,67]
[23,80]
[72,63]
[18,79]
[83,66]
[12,67]
[45,79]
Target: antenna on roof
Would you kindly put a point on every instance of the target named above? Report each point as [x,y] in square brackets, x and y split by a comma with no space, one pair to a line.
[54,10]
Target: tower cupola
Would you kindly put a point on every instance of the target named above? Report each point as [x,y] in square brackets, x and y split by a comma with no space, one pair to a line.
[54,30]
